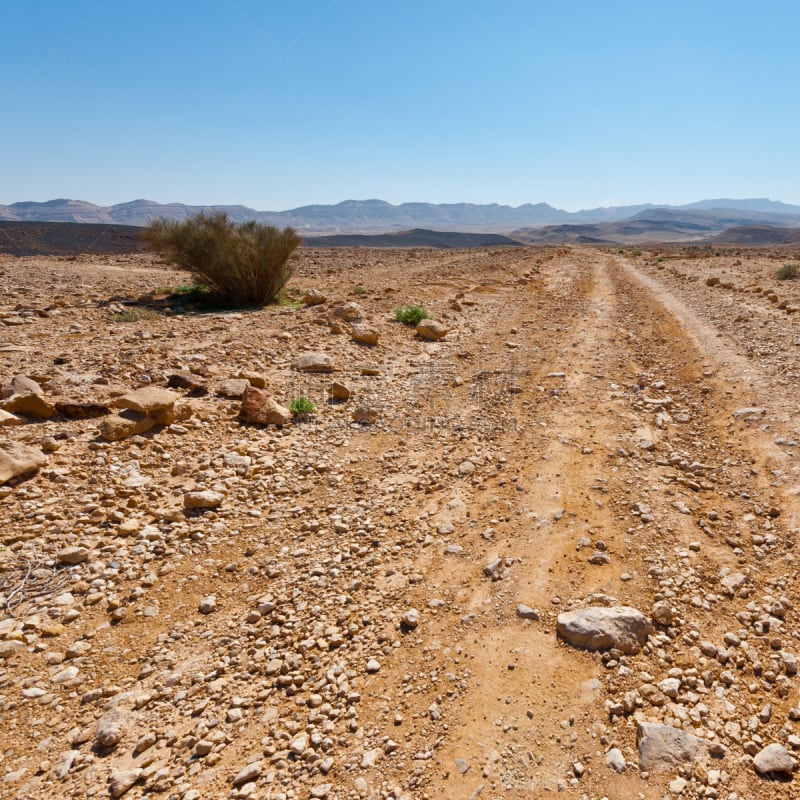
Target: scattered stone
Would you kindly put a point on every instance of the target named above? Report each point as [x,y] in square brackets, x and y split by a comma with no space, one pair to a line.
[364,335]
[18,459]
[526,612]
[663,748]
[314,297]
[662,613]
[29,405]
[339,391]
[615,760]
[349,312]
[7,419]
[314,362]
[259,408]
[233,388]
[208,604]
[431,329]
[373,665]
[203,499]
[116,427]
[146,400]
[366,415]
[73,555]
[601,628]
[122,780]
[411,618]
[774,759]
[109,730]
[249,773]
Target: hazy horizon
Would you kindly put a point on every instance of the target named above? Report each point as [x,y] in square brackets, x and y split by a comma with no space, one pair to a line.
[277,106]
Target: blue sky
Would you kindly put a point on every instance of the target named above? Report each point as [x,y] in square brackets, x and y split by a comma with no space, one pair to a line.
[281,104]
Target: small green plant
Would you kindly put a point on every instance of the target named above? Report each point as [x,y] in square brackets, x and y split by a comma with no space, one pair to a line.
[411,315]
[134,315]
[245,264]
[359,289]
[788,272]
[301,407]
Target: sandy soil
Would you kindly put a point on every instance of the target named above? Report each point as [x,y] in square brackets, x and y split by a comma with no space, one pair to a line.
[581,422]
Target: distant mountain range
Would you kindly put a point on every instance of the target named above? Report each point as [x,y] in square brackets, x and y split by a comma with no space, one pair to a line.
[694,220]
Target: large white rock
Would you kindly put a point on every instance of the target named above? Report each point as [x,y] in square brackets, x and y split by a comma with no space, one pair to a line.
[774,759]
[601,628]
[662,748]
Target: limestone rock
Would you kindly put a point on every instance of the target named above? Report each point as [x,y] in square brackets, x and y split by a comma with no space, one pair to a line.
[122,780]
[185,380]
[29,405]
[7,419]
[249,773]
[208,605]
[73,555]
[349,312]
[601,628]
[260,408]
[615,760]
[774,759]
[146,400]
[22,384]
[431,329]
[19,459]
[663,748]
[339,391]
[314,362]
[314,297]
[172,414]
[366,415]
[109,730]
[233,387]
[203,499]
[116,427]
[364,335]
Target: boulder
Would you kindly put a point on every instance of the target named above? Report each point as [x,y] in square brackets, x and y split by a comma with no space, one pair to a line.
[19,459]
[116,427]
[349,312]
[177,413]
[366,415]
[22,384]
[146,400]
[7,419]
[122,780]
[431,329]
[774,759]
[601,628]
[260,408]
[314,297]
[364,335]
[233,387]
[339,391]
[29,405]
[314,362]
[202,499]
[663,748]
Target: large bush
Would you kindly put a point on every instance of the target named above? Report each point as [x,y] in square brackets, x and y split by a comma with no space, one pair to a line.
[246,264]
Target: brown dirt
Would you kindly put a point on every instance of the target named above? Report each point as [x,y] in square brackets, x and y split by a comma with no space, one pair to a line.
[523,435]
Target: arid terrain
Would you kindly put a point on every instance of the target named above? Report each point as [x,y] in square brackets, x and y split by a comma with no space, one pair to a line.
[192,606]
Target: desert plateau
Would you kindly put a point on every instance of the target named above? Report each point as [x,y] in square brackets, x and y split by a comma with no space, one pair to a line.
[545,546]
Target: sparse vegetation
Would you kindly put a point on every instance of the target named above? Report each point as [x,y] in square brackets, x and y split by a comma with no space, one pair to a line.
[244,264]
[359,289]
[788,272]
[134,315]
[411,315]
[301,407]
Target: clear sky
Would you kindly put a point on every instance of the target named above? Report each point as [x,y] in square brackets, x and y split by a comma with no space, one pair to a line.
[578,103]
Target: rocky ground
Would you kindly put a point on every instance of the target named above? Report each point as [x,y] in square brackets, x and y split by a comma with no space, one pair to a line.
[551,550]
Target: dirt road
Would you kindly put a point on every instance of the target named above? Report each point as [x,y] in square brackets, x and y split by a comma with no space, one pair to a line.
[596,429]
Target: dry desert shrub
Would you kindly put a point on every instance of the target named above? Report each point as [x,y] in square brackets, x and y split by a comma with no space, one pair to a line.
[246,264]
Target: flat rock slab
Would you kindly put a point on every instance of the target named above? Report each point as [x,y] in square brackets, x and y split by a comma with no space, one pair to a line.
[19,459]
[76,409]
[116,427]
[314,362]
[662,748]
[601,628]
[29,405]
[147,399]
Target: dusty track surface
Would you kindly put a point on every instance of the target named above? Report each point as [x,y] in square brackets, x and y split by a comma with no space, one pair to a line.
[580,424]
